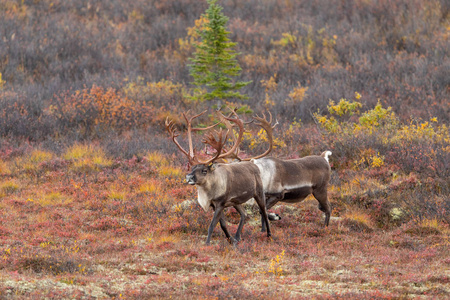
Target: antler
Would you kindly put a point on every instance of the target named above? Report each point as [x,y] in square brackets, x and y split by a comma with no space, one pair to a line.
[170,126]
[216,144]
[234,150]
[263,122]
[268,127]
[219,143]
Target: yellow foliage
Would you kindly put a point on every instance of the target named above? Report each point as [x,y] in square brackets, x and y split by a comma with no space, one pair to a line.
[80,151]
[431,223]
[423,130]
[77,151]
[286,40]
[2,82]
[152,187]
[30,162]
[4,169]
[136,16]
[163,88]
[53,198]
[38,156]
[154,93]
[377,117]
[359,217]
[377,120]
[171,238]
[377,160]
[328,49]
[193,38]
[315,46]
[261,137]
[275,266]
[370,159]
[268,102]
[271,84]
[116,195]
[157,159]
[168,171]
[166,87]
[8,187]
[293,127]
[358,185]
[87,157]
[344,107]
[330,124]
[298,94]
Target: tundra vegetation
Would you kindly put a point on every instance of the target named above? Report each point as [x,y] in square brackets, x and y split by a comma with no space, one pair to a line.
[92,199]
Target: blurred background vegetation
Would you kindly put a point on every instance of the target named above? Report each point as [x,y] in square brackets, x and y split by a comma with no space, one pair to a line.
[367,79]
[298,55]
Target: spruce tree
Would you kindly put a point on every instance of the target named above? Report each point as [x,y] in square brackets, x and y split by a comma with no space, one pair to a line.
[214,63]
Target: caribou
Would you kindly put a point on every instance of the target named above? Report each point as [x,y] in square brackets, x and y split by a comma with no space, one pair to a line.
[221,185]
[290,180]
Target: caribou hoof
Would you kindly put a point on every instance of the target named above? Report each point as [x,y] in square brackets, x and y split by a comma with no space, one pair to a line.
[273,217]
[233,241]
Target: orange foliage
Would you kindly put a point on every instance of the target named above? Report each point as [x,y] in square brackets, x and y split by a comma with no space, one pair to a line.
[97,109]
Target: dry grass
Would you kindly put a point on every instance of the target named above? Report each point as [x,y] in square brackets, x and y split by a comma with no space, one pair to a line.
[358,220]
[87,158]
[124,231]
[8,187]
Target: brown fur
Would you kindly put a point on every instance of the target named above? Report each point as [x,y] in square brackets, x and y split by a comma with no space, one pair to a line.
[293,180]
[225,185]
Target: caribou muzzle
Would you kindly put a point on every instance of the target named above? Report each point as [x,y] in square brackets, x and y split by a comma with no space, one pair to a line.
[190,179]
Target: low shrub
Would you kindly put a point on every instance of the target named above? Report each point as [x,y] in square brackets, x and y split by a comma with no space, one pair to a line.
[96,111]
[23,117]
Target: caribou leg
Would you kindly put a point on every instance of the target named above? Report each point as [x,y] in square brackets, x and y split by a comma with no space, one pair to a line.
[223,225]
[271,200]
[324,204]
[218,211]
[261,201]
[241,211]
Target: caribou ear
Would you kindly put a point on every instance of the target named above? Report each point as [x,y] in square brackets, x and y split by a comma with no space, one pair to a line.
[212,166]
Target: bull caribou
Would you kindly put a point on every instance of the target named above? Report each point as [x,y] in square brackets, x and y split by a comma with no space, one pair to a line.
[221,185]
[290,180]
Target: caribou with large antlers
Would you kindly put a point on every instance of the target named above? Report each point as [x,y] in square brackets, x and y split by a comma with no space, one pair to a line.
[222,185]
[291,180]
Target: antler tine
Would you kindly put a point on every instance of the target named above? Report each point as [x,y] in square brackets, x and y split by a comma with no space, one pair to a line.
[170,126]
[216,144]
[189,121]
[227,123]
[264,120]
[209,139]
[268,127]
[191,129]
[226,120]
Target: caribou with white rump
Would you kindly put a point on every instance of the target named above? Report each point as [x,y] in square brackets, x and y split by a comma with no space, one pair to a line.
[222,185]
[291,180]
